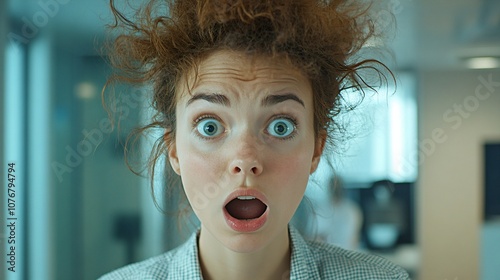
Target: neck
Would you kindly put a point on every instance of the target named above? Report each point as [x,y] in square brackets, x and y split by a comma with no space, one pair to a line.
[270,262]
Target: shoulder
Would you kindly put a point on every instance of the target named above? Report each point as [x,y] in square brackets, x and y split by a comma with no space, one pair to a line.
[179,263]
[319,260]
[153,268]
[335,262]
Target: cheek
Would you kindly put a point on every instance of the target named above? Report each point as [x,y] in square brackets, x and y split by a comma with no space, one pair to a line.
[196,166]
[291,172]
[288,184]
[200,173]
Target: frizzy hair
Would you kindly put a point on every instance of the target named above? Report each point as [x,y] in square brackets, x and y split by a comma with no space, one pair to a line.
[320,37]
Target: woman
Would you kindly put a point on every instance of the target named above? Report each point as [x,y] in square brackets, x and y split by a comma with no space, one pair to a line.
[246,92]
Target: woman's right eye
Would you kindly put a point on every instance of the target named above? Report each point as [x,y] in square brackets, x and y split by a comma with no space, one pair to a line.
[209,127]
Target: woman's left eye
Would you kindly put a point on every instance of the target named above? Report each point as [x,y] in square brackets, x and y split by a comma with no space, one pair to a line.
[209,127]
[281,127]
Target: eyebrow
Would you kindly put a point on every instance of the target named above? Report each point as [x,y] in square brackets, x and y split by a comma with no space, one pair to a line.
[269,100]
[210,97]
[275,99]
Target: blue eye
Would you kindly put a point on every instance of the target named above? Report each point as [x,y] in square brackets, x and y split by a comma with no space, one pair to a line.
[209,127]
[281,127]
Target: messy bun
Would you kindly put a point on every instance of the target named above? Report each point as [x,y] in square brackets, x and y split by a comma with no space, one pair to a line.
[166,39]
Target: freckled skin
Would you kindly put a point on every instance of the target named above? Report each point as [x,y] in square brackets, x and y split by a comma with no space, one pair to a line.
[245,154]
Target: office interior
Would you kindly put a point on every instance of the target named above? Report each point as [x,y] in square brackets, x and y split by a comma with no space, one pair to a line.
[419,183]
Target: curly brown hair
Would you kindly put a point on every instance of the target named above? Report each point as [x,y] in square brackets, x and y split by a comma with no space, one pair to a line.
[320,37]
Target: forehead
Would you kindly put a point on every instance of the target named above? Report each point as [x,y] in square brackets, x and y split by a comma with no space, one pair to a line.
[248,66]
[233,68]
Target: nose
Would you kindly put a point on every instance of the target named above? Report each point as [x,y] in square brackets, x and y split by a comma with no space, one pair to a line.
[246,167]
[246,158]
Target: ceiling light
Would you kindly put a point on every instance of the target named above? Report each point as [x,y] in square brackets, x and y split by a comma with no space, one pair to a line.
[486,62]
[86,90]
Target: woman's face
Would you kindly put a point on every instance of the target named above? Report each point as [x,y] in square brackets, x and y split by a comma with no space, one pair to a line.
[245,146]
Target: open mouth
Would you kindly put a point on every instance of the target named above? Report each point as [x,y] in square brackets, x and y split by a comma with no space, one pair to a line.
[246,207]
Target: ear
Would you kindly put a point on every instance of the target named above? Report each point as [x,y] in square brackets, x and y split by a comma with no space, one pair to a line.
[173,158]
[318,151]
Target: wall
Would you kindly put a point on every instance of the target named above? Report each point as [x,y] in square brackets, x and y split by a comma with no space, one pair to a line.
[457,113]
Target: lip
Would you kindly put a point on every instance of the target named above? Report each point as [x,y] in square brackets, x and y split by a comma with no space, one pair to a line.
[246,225]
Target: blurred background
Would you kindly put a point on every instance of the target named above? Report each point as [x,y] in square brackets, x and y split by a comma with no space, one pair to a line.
[420,184]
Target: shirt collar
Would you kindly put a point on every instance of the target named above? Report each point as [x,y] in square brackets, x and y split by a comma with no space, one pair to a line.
[185,263]
[303,264]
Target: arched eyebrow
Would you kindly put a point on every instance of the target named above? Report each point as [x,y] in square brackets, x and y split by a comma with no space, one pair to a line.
[210,97]
[278,98]
[221,99]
